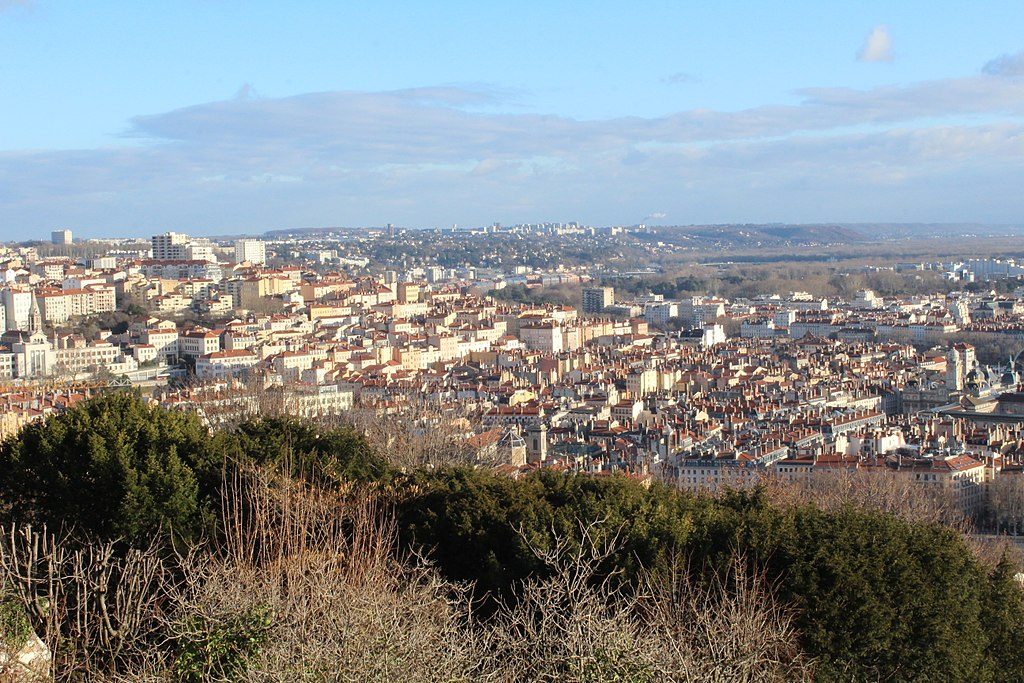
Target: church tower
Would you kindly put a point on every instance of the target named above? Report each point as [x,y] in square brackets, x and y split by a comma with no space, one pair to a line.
[959,361]
[537,443]
[35,318]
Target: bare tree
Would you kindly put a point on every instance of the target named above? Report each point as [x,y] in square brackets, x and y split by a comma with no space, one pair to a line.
[887,492]
[324,564]
[730,629]
[583,625]
[415,432]
[97,609]
[573,626]
[1006,503]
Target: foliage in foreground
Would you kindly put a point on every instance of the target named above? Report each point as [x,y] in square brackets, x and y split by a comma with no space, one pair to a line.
[325,597]
[113,467]
[14,627]
[865,595]
[877,597]
[116,467]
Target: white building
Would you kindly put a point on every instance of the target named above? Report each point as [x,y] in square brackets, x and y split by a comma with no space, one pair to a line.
[660,313]
[58,306]
[327,399]
[163,340]
[543,336]
[176,246]
[104,263]
[867,299]
[197,343]
[253,251]
[698,311]
[17,307]
[596,299]
[763,328]
[60,237]
[169,246]
[183,269]
[200,250]
[34,356]
[713,334]
[435,274]
[75,356]
[225,363]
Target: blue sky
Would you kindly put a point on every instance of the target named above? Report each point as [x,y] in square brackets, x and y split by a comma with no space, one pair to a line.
[220,116]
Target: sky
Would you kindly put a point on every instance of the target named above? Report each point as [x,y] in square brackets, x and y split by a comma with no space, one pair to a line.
[222,117]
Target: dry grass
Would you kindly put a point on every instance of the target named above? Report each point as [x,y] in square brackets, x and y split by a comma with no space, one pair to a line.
[579,625]
[340,604]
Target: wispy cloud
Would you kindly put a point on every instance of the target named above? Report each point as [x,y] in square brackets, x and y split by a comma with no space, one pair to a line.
[680,78]
[245,92]
[1006,65]
[949,149]
[877,46]
[6,5]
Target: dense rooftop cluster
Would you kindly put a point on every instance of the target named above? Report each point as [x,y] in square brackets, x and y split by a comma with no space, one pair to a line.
[642,384]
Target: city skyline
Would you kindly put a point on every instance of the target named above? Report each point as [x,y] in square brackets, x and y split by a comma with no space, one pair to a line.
[125,120]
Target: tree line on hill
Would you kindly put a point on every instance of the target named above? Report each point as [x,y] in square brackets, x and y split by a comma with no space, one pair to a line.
[275,549]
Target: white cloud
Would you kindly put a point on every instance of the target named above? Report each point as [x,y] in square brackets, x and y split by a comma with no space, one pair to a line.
[11,4]
[877,46]
[680,78]
[946,150]
[1006,65]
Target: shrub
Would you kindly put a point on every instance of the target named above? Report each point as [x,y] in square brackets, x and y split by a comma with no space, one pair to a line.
[878,597]
[116,467]
[111,467]
[220,647]
[14,626]
[324,455]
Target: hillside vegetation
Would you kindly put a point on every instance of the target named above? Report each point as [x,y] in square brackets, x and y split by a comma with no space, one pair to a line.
[276,551]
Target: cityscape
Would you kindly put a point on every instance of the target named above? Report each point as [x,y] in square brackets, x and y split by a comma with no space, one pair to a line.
[523,344]
[700,390]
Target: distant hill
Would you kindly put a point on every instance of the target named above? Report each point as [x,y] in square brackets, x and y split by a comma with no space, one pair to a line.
[771,234]
[758,234]
[808,234]
[307,232]
[905,230]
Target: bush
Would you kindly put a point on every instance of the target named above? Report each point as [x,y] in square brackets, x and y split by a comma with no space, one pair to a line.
[14,627]
[220,648]
[116,467]
[111,467]
[878,597]
[337,454]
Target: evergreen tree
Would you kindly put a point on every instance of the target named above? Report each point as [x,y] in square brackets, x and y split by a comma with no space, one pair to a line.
[111,467]
[877,598]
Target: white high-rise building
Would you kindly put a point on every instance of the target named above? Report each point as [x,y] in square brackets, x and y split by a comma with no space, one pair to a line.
[253,251]
[596,299]
[169,246]
[176,246]
[17,308]
[60,237]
